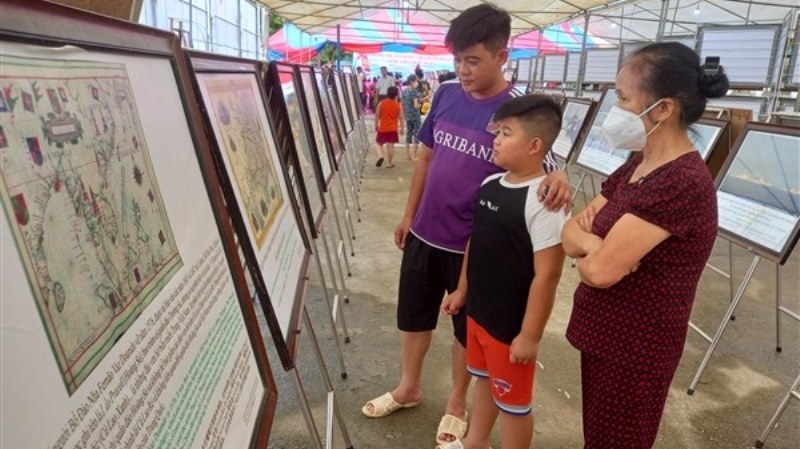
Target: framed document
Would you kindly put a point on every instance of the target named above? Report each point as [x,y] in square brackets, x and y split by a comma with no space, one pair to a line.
[596,155]
[126,315]
[333,118]
[705,134]
[293,132]
[352,96]
[573,125]
[341,102]
[265,212]
[313,104]
[757,191]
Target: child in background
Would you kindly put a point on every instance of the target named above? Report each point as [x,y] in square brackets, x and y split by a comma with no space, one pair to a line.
[388,118]
[510,273]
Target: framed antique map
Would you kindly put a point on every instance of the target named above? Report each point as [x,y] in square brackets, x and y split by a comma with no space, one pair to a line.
[758,191]
[125,311]
[333,118]
[247,148]
[313,104]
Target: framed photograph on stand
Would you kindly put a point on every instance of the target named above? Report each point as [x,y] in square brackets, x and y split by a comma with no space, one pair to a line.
[333,118]
[293,134]
[341,102]
[312,101]
[757,191]
[573,125]
[596,156]
[266,213]
[712,138]
[126,311]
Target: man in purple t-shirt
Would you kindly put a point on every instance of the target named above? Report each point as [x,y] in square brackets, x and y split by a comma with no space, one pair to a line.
[454,158]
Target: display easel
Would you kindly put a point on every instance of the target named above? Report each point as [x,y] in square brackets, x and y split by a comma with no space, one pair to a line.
[792,393]
[739,210]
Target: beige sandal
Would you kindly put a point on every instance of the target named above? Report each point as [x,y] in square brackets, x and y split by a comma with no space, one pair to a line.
[451,425]
[385,405]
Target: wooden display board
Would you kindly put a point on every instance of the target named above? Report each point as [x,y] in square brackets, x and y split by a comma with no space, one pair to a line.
[295,136]
[577,114]
[340,94]
[333,117]
[712,138]
[323,136]
[255,181]
[353,99]
[126,315]
[596,155]
[757,191]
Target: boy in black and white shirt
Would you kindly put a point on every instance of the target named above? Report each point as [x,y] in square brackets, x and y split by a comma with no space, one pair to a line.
[511,269]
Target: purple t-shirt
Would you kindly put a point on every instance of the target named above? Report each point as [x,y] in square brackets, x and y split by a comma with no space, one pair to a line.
[462,158]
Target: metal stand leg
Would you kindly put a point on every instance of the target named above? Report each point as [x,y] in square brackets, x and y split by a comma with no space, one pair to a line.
[333,406]
[336,311]
[730,273]
[792,393]
[579,188]
[330,312]
[348,224]
[335,210]
[724,323]
[305,408]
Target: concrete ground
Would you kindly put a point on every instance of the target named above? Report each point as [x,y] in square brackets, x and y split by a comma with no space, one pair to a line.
[737,395]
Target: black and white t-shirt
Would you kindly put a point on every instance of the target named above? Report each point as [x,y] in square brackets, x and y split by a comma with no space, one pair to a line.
[510,225]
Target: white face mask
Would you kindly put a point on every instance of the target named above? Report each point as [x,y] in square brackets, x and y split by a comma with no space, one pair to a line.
[624,130]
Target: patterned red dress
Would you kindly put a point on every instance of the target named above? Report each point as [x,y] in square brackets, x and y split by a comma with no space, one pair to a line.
[631,335]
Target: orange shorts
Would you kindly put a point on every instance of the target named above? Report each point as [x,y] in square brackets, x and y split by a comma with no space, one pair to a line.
[511,383]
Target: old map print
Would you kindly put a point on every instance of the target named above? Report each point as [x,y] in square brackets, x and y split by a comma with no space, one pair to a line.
[83,203]
[232,103]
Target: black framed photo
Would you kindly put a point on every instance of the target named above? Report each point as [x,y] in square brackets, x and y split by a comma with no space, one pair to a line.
[757,191]
[123,293]
[573,124]
[596,155]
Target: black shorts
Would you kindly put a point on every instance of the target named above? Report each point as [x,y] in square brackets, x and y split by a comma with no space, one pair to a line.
[426,274]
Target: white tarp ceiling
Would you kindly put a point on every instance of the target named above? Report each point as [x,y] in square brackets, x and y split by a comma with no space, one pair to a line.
[615,21]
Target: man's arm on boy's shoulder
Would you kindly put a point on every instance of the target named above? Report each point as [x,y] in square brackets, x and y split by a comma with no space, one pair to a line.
[555,192]
[547,264]
[424,155]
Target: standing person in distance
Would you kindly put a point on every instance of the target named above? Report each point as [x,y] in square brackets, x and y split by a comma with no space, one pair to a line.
[382,85]
[412,103]
[510,274]
[388,119]
[361,80]
[641,247]
[453,160]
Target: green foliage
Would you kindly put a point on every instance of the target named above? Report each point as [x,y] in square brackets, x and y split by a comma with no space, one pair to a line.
[328,54]
[275,22]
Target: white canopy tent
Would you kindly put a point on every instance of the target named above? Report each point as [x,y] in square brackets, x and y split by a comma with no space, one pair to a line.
[610,21]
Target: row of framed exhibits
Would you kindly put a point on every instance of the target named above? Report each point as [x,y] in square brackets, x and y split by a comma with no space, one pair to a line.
[757,171]
[144,188]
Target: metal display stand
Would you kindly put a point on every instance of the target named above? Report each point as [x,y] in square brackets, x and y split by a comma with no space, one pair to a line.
[723,325]
[792,393]
[332,410]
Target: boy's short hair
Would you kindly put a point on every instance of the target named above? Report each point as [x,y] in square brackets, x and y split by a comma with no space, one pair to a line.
[392,92]
[540,116]
[481,24]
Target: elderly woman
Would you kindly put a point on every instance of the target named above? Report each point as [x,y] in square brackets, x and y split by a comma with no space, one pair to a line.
[641,246]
